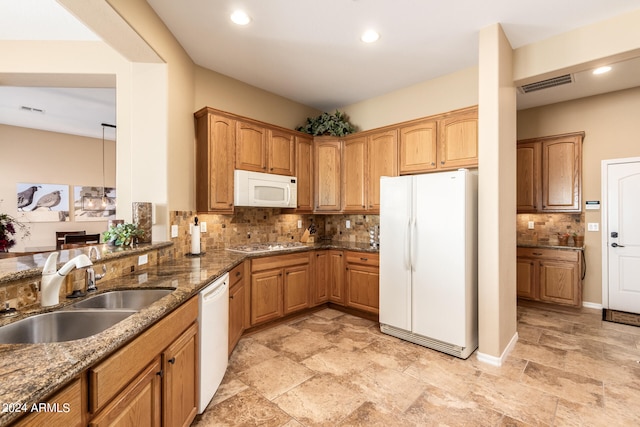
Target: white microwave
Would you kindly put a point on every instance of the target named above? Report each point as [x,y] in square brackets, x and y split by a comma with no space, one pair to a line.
[264,190]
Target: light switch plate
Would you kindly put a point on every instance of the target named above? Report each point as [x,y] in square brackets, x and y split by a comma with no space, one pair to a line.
[299,223]
[593,226]
[531,225]
[174,231]
[348,224]
[203,227]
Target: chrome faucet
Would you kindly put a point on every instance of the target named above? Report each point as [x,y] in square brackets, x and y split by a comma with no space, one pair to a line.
[52,279]
[92,277]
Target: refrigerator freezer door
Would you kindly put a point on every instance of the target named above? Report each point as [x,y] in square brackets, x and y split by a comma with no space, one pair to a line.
[439,294]
[395,251]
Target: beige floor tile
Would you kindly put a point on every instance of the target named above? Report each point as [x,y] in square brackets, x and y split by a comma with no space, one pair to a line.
[393,354]
[623,400]
[574,414]
[315,324]
[229,387]
[350,338]
[437,407]
[336,361]
[549,356]
[275,376]
[328,313]
[320,401]
[529,333]
[518,401]
[576,388]
[301,345]
[601,368]
[246,408]
[371,415]
[388,388]
[247,353]
[276,332]
[439,370]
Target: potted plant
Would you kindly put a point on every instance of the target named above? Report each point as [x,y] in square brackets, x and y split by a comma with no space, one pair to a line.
[563,239]
[9,227]
[578,241]
[123,234]
[335,124]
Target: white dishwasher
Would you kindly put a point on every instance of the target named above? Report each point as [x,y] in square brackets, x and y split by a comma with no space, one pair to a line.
[213,320]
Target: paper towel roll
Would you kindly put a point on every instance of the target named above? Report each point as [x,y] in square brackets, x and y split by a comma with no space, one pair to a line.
[195,239]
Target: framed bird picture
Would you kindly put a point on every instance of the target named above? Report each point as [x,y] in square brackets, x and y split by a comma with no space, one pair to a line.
[43,202]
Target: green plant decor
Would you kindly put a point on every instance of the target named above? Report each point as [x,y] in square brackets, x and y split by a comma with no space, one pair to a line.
[122,234]
[335,124]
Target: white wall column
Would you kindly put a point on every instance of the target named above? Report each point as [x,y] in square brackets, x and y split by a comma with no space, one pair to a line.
[496,197]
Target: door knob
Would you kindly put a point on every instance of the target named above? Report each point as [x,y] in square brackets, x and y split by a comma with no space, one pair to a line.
[615,245]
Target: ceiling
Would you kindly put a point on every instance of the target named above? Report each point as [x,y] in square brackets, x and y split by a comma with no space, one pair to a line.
[310,51]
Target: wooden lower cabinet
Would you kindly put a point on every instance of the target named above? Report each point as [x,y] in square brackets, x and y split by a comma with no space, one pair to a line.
[180,379]
[70,408]
[550,275]
[152,377]
[279,286]
[336,277]
[237,299]
[139,404]
[320,290]
[363,281]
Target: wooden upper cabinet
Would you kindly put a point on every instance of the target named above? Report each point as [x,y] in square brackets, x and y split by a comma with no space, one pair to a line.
[459,139]
[328,174]
[561,174]
[354,183]
[549,174]
[528,177]
[215,141]
[383,161]
[281,152]
[304,173]
[418,147]
[251,147]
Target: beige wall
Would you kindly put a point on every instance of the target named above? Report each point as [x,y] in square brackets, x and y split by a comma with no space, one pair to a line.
[39,157]
[224,93]
[610,123]
[446,93]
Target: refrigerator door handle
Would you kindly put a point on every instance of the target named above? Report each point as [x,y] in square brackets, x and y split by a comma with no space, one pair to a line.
[413,244]
[407,249]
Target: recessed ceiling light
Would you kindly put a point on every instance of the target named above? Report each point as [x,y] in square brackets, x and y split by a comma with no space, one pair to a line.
[602,70]
[239,17]
[370,36]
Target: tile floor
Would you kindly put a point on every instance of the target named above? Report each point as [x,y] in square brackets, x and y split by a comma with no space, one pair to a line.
[334,369]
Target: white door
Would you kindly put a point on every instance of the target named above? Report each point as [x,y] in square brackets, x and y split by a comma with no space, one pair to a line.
[622,239]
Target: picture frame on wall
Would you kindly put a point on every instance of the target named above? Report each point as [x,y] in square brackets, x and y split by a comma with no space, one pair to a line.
[43,202]
[94,203]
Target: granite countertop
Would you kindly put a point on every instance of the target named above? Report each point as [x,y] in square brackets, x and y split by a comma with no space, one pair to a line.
[31,372]
[547,246]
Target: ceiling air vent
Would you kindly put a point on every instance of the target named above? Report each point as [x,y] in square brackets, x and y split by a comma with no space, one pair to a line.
[544,84]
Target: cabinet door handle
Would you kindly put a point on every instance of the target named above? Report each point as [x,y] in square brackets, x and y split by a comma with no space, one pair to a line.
[230,296]
[364,259]
[160,374]
[172,360]
[237,273]
[537,253]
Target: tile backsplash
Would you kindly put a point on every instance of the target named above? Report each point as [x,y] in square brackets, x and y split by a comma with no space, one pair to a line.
[548,226]
[260,225]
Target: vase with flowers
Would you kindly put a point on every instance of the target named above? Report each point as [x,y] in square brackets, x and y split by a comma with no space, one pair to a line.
[9,228]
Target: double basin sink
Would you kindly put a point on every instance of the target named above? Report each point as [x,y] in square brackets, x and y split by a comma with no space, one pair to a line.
[81,319]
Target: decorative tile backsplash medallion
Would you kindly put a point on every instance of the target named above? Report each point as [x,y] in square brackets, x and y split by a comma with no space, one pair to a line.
[548,226]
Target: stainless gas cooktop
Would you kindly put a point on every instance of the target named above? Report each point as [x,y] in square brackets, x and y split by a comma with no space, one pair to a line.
[265,247]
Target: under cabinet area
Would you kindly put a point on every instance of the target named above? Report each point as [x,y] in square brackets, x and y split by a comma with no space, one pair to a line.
[550,275]
[549,174]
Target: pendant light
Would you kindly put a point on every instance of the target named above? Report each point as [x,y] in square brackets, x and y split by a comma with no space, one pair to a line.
[104,197]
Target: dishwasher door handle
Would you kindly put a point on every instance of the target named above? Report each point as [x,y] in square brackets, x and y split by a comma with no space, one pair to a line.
[215,292]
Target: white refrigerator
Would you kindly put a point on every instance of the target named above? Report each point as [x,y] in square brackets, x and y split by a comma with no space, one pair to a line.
[428,260]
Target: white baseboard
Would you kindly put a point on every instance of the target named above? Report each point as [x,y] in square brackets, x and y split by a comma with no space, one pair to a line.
[497,361]
[595,305]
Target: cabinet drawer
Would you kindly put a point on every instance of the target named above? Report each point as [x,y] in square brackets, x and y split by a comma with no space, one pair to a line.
[278,261]
[70,407]
[364,258]
[556,254]
[109,377]
[236,274]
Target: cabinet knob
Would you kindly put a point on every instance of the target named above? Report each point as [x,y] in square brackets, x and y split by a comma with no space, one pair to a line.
[271,169]
[237,273]
[364,259]
[442,163]
[230,296]
[433,163]
[160,374]
[172,360]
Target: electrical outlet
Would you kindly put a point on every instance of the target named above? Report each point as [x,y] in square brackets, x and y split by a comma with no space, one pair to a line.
[299,223]
[174,231]
[593,226]
[348,224]
[143,259]
[203,227]
[531,225]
